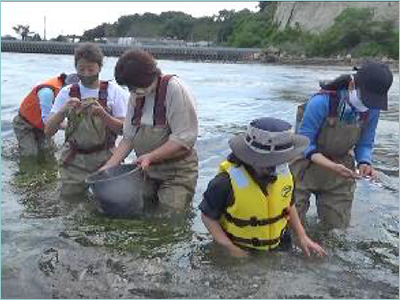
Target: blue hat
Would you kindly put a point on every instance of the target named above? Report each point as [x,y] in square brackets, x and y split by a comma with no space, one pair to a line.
[268,142]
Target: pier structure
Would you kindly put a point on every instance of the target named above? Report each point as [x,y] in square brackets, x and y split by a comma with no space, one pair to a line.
[159,52]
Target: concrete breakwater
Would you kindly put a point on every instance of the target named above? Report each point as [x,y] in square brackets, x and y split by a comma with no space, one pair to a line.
[159,52]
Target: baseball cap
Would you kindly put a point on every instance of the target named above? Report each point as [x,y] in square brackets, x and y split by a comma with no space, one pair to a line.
[373,81]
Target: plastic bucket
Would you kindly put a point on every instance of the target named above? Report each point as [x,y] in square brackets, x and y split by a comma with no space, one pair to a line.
[118,190]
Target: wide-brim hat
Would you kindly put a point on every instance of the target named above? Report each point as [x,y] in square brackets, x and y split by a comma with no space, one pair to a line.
[268,142]
[373,80]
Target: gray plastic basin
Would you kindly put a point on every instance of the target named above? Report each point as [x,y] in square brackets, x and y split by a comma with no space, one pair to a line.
[118,190]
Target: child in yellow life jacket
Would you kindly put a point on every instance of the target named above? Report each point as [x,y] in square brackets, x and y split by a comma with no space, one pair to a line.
[249,204]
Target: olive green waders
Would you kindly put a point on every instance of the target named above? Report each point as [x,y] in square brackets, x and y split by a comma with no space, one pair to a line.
[32,141]
[86,149]
[172,183]
[334,193]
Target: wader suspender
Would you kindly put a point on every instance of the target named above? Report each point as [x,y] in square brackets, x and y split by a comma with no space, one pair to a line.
[160,109]
[76,93]
[333,108]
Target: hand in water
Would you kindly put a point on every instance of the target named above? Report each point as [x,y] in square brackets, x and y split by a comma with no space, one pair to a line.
[309,246]
[235,251]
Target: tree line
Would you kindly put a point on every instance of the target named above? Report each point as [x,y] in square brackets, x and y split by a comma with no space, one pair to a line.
[353,31]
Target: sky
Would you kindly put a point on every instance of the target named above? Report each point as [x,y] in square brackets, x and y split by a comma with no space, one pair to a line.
[76,17]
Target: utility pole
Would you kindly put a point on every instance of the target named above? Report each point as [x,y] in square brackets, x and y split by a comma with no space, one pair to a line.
[44,32]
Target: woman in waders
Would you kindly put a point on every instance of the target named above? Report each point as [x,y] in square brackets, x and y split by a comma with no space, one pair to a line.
[340,122]
[161,127]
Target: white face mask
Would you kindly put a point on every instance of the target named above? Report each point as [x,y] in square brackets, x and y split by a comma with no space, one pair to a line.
[142,92]
[356,102]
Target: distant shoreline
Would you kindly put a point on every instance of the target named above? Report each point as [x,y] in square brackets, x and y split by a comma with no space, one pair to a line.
[205,54]
[321,61]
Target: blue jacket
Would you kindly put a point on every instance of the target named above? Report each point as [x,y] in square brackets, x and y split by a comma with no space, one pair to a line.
[314,118]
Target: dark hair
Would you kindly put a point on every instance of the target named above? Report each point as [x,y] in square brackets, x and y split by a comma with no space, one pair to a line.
[90,52]
[232,158]
[62,77]
[340,82]
[136,68]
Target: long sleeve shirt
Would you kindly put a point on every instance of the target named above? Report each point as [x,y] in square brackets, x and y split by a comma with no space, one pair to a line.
[316,112]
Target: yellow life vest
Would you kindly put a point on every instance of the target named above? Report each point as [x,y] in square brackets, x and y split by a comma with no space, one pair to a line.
[256,220]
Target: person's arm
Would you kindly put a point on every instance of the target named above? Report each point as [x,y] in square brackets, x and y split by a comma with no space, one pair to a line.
[364,146]
[120,153]
[305,243]
[220,237]
[181,114]
[119,102]
[55,120]
[315,114]
[126,145]
[113,123]
[168,150]
[46,98]
[213,206]
[62,104]
[183,122]
[323,161]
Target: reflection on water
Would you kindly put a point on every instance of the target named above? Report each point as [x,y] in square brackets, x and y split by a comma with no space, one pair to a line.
[54,248]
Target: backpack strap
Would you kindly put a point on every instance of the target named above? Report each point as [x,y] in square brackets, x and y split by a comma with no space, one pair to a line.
[364,117]
[103,93]
[137,115]
[333,105]
[160,109]
[74,91]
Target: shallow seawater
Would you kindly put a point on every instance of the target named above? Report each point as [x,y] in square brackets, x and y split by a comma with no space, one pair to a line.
[54,247]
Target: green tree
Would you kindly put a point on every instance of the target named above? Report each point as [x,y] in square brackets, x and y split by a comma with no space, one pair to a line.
[180,27]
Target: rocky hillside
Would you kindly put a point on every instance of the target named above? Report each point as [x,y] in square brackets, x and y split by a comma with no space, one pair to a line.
[315,17]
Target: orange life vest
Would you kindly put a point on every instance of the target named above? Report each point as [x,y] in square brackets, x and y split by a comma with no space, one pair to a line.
[30,110]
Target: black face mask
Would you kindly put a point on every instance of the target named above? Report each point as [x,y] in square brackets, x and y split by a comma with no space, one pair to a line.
[88,80]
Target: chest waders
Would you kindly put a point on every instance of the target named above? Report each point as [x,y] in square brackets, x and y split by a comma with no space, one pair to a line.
[334,193]
[28,125]
[171,183]
[32,141]
[87,142]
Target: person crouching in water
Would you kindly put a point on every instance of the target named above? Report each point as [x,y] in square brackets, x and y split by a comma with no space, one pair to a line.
[249,205]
